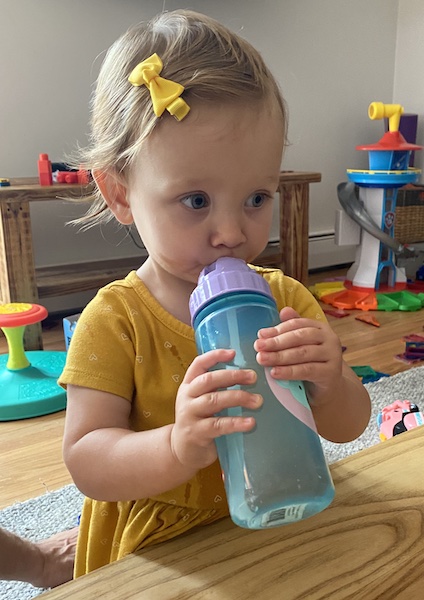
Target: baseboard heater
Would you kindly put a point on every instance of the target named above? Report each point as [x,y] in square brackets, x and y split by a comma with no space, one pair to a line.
[324,252]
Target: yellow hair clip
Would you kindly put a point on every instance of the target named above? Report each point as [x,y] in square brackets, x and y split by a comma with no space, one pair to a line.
[165,93]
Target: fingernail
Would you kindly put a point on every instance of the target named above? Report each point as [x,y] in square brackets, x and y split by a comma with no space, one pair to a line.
[257,400]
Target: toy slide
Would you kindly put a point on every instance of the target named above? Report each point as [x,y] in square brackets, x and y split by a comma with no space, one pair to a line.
[357,212]
[375,267]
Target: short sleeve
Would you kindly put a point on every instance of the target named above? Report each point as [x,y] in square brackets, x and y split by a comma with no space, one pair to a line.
[301,299]
[102,353]
[290,292]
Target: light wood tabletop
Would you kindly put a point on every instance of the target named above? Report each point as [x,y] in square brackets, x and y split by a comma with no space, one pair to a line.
[367,545]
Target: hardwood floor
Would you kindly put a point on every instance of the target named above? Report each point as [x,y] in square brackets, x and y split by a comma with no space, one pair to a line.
[369,345]
[30,450]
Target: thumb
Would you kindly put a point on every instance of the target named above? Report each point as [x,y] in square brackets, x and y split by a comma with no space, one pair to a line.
[288,313]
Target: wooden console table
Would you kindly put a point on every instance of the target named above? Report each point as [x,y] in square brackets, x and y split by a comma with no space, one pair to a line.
[291,253]
[20,281]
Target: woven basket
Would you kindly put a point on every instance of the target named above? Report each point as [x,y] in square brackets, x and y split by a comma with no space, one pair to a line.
[409,222]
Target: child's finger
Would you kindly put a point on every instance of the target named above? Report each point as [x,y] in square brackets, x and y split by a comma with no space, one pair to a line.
[289,338]
[220,379]
[215,402]
[288,313]
[288,326]
[201,364]
[215,427]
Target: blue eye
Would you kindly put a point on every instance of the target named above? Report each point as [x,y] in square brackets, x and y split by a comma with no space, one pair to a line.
[195,201]
[256,200]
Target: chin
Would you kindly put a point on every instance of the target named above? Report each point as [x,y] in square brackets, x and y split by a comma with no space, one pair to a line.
[192,276]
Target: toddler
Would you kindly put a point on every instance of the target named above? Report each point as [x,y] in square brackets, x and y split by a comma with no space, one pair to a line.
[188,132]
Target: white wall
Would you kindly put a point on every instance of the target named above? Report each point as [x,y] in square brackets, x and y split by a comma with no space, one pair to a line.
[409,65]
[331,57]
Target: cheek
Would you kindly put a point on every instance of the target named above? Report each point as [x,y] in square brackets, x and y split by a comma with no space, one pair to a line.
[264,221]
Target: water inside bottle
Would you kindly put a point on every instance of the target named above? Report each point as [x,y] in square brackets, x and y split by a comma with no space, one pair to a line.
[277,473]
[277,479]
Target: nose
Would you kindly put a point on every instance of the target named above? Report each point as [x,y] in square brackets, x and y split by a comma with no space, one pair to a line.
[228,232]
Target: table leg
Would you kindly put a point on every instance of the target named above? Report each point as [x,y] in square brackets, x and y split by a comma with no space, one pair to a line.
[294,229]
[17,270]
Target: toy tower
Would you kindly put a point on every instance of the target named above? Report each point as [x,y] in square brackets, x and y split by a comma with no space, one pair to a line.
[374,267]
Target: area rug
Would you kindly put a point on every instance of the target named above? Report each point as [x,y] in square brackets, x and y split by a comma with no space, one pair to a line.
[37,519]
[56,511]
[408,385]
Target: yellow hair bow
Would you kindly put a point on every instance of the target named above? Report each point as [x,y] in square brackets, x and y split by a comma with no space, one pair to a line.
[165,93]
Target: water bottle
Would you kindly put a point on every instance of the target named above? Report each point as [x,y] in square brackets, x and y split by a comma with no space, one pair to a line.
[277,473]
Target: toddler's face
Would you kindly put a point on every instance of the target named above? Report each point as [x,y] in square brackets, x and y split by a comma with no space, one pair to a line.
[203,188]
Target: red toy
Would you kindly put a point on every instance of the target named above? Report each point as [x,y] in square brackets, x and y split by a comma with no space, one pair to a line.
[414,349]
[414,346]
[45,170]
[368,319]
[67,177]
[81,176]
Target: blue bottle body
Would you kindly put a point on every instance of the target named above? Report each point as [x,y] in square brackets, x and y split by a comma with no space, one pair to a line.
[277,473]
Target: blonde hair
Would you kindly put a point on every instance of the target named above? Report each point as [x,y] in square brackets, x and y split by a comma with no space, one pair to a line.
[210,61]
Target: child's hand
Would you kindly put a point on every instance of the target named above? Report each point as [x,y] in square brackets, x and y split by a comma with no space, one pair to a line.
[303,349]
[200,397]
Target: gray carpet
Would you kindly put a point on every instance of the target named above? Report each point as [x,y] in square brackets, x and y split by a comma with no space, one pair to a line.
[408,385]
[40,517]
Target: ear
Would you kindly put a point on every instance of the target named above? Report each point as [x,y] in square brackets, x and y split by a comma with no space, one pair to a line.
[114,192]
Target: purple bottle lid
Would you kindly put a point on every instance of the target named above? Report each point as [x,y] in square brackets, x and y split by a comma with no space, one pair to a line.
[223,276]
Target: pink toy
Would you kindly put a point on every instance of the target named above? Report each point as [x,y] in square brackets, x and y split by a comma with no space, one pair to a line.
[398,417]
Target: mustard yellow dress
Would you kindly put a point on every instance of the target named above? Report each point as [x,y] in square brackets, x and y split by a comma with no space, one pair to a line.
[127,344]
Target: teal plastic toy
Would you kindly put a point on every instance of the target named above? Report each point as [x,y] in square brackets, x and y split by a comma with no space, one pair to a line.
[28,380]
